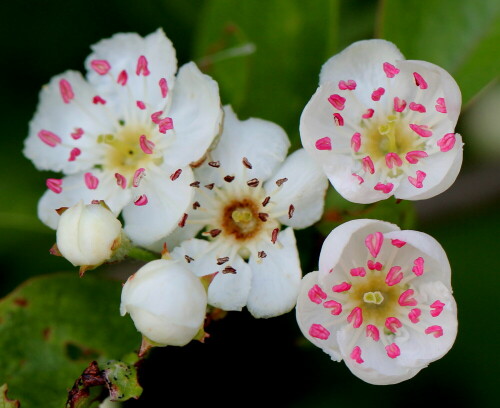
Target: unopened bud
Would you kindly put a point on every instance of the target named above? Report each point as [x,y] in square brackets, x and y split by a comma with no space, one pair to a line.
[166,302]
[88,235]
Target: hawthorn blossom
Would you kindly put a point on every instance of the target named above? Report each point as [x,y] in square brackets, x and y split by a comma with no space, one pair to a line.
[245,192]
[381,301]
[166,301]
[126,133]
[381,125]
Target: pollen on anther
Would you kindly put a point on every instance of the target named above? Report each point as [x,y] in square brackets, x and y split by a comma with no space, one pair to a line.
[77,134]
[121,181]
[274,235]
[368,114]
[377,94]
[337,101]
[182,222]
[146,145]
[122,78]
[102,67]
[291,210]
[319,332]
[228,178]
[97,100]
[222,260]
[280,182]
[420,81]
[141,200]
[229,269]
[75,152]
[66,91]
[214,164]
[266,201]
[263,216]
[141,105]
[55,185]
[163,87]
[339,120]
[253,182]
[142,66]
[342,287]
[49,138]
[246,163]
[316,294]
[174,176]
[91,181]
[324,143]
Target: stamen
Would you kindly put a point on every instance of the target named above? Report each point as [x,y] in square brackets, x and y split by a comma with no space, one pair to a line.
[196,205]
[418,180]
[384,188]
[77,134]
[49,138]
[349,85]
[319,332]
[374,243]
[372,331]
[437,308]
[246,163]
[175,176]
[419,81]
[280,182]
[75,152]
[393,323]
[361,272]
[291,210]
[263,216]
[342,287]
[356,355]
[377,94]
[54,185]
[188,258]
[447,142]
[121,180]
[441,105]
[360,179]
[418,269]
[436,331]
[406,300]
[141,105]
[374,266]
[163,87]
[368,114]
[335,306]
[421,130]
[195,184]
[214,232]
[339,120]
[394,276]
[261,254]
[399,104]
[97,100]
[316,294]
[368,165]
[356,142]
[182,222]
[102,67]
[223,260]
[229,269]
[324,144]
[355,317]
[141,200]
[166,124]
[146,145]
[392,159]
[66,91]
[138,176]
[215,164]
[266,201]
[414,315]
[142,66]
[228,178]
[392,350]
[91,181]
[210,186]
[337,101]
[274,235]
[122,78]
[398,243]
[414,156]
[417,107]
[253,182]
[390,70]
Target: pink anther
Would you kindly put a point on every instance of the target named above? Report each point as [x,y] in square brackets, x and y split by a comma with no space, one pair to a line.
[355,317]
[394,276]
[415,155]
[405,299]
[420,81]
[122,78]
[436,331]
[368,114]
[418,180]
[319,332]
[141,105]
[91,181]
[337,101]
[393,350]
[418,268]
[142,66]
[368,165]
[392,324]
[356,355]
[374,243]
[360,179]
[335,306]
[414,315]
[390,70]
[377,94]
[163,87]
[392,159]
[384,188]
[141,200]
[441,105]
[398,243]
[373,332]
[358,272]
[74,153]
[54,185]
[66,91]
[399,104]
[138,176]
[96,100]
[316,294]
[437,308]
[77,133]
[49,138]
[374,266]
[121,180]
[417,107]
[146,145]
[324,143]
[356,142]
[166,124]
[347,85]
[447,142]
[421,130]
[343,287]
[102,67]
[339,120]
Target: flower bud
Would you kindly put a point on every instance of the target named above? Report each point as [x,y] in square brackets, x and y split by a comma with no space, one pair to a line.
[88,235]
[166,302]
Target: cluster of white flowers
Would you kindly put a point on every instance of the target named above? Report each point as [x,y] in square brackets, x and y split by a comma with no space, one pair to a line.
[138,139]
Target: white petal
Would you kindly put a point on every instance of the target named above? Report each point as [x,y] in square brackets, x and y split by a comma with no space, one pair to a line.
[305,189]
[346,241]
[122,52]
[227,291]
[262,142]
[276,278]
[167,202]
[310,313]
[196,113]
[74,190]
[361,62]
[63,119]
[419,244]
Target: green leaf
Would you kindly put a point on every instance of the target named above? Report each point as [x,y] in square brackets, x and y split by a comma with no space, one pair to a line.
[291,44]
[123,382]
[462,36]
[51,327]
[5,402]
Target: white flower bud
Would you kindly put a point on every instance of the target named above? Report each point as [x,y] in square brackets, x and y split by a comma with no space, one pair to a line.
[87,235]
[166,302]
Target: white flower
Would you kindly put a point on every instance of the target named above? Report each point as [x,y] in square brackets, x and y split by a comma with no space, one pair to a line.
[381,301]
[88,235]
[166,302]
[245,192]
[381,125]
[126,134]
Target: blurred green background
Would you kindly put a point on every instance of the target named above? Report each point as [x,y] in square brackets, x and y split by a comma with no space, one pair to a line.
[266,56]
